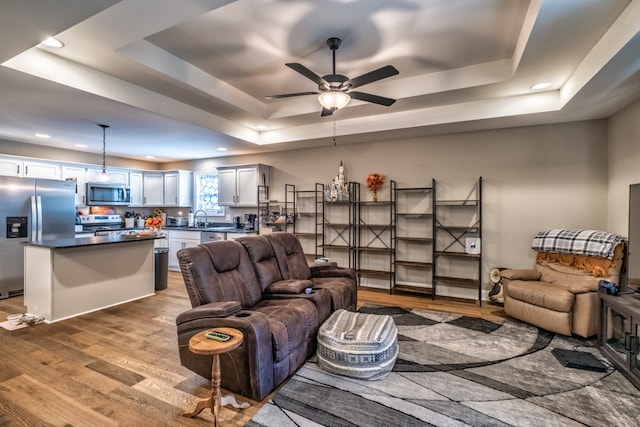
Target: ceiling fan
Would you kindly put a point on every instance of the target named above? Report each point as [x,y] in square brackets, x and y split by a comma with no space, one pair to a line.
[335,90]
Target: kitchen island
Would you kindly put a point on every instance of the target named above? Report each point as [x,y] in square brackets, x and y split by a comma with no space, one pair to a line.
[64,278]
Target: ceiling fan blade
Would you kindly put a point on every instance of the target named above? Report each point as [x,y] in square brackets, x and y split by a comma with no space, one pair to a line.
[372,98]
[289,95]
[372,76]
[326,112]
[307,73]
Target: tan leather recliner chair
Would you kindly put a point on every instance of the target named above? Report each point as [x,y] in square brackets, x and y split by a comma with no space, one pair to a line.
[561,293]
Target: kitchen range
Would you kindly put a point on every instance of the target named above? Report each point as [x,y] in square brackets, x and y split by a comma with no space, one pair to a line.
[102,225]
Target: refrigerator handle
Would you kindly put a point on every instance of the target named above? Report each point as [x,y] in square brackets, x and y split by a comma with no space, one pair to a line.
[34,220]
[39,207]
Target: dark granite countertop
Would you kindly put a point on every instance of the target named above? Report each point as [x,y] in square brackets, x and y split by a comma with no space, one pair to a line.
[88,241]
[219,229]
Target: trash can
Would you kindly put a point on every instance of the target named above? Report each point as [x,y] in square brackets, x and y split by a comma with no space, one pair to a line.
[161,268]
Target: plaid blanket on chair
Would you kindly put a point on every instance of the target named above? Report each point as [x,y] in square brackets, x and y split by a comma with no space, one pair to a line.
[579,242]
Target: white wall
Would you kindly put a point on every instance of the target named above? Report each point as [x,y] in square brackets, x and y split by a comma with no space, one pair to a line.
[535,178]
[624,165]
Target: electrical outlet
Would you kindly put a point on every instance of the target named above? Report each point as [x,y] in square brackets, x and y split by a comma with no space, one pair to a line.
[228,217]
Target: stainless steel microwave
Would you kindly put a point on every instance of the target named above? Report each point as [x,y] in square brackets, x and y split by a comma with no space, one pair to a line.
[108,194]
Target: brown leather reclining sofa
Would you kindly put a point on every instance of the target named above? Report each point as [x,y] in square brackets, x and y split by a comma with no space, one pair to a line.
[259,285]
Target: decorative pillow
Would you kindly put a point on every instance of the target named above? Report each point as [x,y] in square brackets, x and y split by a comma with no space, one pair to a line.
[290,286]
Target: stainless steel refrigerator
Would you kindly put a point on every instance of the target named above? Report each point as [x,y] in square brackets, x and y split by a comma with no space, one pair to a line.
[32,209]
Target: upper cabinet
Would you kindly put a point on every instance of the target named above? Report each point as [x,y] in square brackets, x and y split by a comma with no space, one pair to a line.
[79,176]
[136,189]
[238,185]
[153,189]
[116,176]
[29,169]
[178,188]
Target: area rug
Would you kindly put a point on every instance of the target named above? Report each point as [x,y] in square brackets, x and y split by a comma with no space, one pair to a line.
[454,370]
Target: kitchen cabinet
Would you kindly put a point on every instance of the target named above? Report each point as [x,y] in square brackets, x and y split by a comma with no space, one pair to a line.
[77,174]
[177,188]
[136,189]
[153,189]
[238,185]
[180,239]
[10,166]
[117,176]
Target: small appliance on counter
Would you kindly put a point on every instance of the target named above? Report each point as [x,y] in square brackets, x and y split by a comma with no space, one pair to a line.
[178,221]
[250,221]
[237,222]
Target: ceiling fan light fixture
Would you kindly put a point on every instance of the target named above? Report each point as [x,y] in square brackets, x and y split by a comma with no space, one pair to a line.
[334,100]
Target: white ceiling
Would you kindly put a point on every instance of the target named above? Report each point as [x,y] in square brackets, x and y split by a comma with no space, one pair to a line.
[179,79]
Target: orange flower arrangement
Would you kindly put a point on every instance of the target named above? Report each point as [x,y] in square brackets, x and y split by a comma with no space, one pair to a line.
[155,221]
[374,182]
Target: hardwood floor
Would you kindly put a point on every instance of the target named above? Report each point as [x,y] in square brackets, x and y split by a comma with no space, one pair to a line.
[120,366]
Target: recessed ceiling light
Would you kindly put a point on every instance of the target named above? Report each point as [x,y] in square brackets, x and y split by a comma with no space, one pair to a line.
[541,86]
[53,42]
[42,135]
[221,149]
[150,157]
[81,146]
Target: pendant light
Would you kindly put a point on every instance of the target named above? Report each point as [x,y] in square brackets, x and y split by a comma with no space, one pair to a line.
[104,176]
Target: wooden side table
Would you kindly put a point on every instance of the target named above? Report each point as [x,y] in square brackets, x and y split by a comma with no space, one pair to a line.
[199,344]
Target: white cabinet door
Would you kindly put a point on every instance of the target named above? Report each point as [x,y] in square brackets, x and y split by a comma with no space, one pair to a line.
[10,167]
[177,188]
[180,240]
[238,186]
[136,186]
[153,189]
[247,187]
[227,187]
[77,174]
[41,170]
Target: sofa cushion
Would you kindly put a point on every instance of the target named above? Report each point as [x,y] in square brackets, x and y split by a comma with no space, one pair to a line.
[542,294]
[219,271]
[343,291]
[290,256]
[263,258]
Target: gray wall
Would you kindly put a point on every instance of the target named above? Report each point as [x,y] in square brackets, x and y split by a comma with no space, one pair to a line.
[535,178]
[624,165]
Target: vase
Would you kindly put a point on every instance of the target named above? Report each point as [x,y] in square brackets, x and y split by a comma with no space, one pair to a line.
[374,194]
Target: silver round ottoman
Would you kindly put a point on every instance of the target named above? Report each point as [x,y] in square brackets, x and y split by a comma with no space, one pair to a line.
[357,345]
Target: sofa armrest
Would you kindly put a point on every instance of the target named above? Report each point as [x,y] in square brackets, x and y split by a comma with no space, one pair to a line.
[520,274]
[211,310]
[318,266]
[289,286]
[335,272]
[582,287]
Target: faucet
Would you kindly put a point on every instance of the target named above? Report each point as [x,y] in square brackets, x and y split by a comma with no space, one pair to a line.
[195,218]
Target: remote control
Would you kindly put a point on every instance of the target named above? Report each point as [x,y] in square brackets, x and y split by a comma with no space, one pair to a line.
[218,336]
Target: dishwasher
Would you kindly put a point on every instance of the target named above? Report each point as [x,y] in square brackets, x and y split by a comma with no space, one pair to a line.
[212,236]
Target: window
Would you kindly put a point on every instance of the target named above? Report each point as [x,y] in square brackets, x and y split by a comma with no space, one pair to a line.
[207,193]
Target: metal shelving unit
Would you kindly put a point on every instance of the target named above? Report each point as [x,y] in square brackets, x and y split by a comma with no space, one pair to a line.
[414,247]
[375,229]
[449,239]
